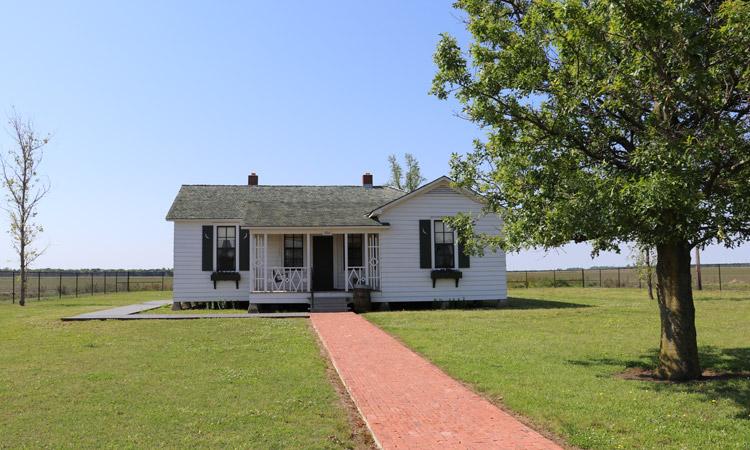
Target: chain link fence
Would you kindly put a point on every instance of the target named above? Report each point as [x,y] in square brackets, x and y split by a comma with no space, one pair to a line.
[713,276]
[46,283]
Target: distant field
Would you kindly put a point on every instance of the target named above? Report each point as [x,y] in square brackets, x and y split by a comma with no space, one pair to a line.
[731,277]
[51,284]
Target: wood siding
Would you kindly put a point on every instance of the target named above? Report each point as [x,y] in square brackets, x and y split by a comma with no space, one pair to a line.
[401,277]
[191,283]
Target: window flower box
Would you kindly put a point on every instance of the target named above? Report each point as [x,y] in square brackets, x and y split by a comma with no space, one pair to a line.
[226,276]
[445,274]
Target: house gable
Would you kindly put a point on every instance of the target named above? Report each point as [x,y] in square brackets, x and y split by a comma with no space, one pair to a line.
[443,183]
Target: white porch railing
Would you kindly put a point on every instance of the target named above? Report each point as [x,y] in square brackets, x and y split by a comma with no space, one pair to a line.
[355,277]
[287,279]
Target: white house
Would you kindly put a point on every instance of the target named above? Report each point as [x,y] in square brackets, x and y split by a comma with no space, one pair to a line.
[294,244]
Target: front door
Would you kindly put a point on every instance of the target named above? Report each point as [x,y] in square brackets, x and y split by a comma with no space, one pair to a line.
[322,276]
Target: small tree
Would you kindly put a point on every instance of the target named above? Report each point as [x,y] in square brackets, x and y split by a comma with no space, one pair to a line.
[645,260]
[610,122]
[24,191]
[413,177]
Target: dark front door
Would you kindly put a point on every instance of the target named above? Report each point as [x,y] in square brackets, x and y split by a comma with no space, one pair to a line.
[322,276]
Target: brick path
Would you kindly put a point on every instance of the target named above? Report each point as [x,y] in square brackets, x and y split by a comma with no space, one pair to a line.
[408,402]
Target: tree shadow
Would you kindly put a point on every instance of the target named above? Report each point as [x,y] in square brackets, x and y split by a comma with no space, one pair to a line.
[733,383]
[533,303]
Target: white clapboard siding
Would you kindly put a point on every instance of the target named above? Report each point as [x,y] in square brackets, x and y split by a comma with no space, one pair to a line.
[190,282]
[401,277]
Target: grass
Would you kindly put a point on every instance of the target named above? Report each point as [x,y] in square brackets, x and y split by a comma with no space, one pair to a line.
[552,353]
[179,384]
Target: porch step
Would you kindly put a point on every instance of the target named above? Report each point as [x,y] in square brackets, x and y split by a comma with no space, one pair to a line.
[325,303]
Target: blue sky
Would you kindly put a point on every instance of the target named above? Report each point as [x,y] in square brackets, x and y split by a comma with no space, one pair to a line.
[141,97]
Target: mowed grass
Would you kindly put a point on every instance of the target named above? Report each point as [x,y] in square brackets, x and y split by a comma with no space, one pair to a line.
[552,354]
[256,383]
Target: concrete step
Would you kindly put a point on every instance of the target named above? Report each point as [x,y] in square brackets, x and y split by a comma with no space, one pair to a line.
[330,304]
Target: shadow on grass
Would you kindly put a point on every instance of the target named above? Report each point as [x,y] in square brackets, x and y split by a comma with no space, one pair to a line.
[713,359]
[512,303]
[533,303]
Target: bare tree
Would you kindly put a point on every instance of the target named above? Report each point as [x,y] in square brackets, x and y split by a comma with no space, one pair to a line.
[24,191]
[409,181]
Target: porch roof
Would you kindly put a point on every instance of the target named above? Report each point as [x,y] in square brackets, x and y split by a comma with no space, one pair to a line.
[282,206]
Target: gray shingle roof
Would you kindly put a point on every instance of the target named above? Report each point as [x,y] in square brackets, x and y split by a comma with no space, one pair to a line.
[282,206]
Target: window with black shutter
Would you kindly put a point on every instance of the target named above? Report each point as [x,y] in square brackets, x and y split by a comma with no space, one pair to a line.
[444,246]
[226,248]
[425,245]
[207,238]
[244,249]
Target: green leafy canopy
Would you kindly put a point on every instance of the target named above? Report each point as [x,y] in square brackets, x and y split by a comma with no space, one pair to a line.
[607,121]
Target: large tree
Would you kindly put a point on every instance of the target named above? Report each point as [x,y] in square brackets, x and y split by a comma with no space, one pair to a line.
[24,190]
[609,122]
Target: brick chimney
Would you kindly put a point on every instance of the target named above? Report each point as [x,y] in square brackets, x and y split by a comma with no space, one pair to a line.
[252,179]
[367,180]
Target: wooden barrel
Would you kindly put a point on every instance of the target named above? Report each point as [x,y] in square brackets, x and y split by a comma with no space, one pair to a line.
[361,300]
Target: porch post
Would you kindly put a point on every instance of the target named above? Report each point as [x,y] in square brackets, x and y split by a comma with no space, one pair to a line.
[309,261]
[366,261]
[265,262]
[346,262]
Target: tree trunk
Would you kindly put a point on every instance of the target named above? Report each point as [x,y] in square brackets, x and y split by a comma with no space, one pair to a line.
[649,274]
[22,293]
[678,350]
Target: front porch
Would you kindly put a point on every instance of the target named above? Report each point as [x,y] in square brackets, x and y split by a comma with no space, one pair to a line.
[286,267]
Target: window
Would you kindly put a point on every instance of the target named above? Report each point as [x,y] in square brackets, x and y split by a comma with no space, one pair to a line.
[444,246]
[293,250]
[226,249]
[355,250]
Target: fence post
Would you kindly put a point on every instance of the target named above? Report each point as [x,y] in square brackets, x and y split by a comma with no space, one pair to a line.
[583,279]
[162,281]
[59,288]
[128,281]
[719,277]
[13,275]
[554,277]
[105,281]
[116,282]
[92,282]
[76,284]
[38,285]
[527,278]
[618,277]
[600,278]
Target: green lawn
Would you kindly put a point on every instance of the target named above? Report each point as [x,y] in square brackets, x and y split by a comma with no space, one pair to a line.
[552,353]
[179,384]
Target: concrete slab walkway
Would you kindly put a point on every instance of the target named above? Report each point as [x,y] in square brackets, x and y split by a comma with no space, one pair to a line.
[130,312]
[406,401]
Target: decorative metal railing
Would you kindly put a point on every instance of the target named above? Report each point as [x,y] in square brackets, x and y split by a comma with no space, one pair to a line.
[287,279]
[356,277]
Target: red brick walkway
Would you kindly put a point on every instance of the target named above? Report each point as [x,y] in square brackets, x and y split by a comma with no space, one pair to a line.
[408,402]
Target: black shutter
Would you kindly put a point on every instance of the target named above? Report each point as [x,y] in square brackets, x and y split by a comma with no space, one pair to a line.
[244,249]
[208,248]
[463,258]
[425,244]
